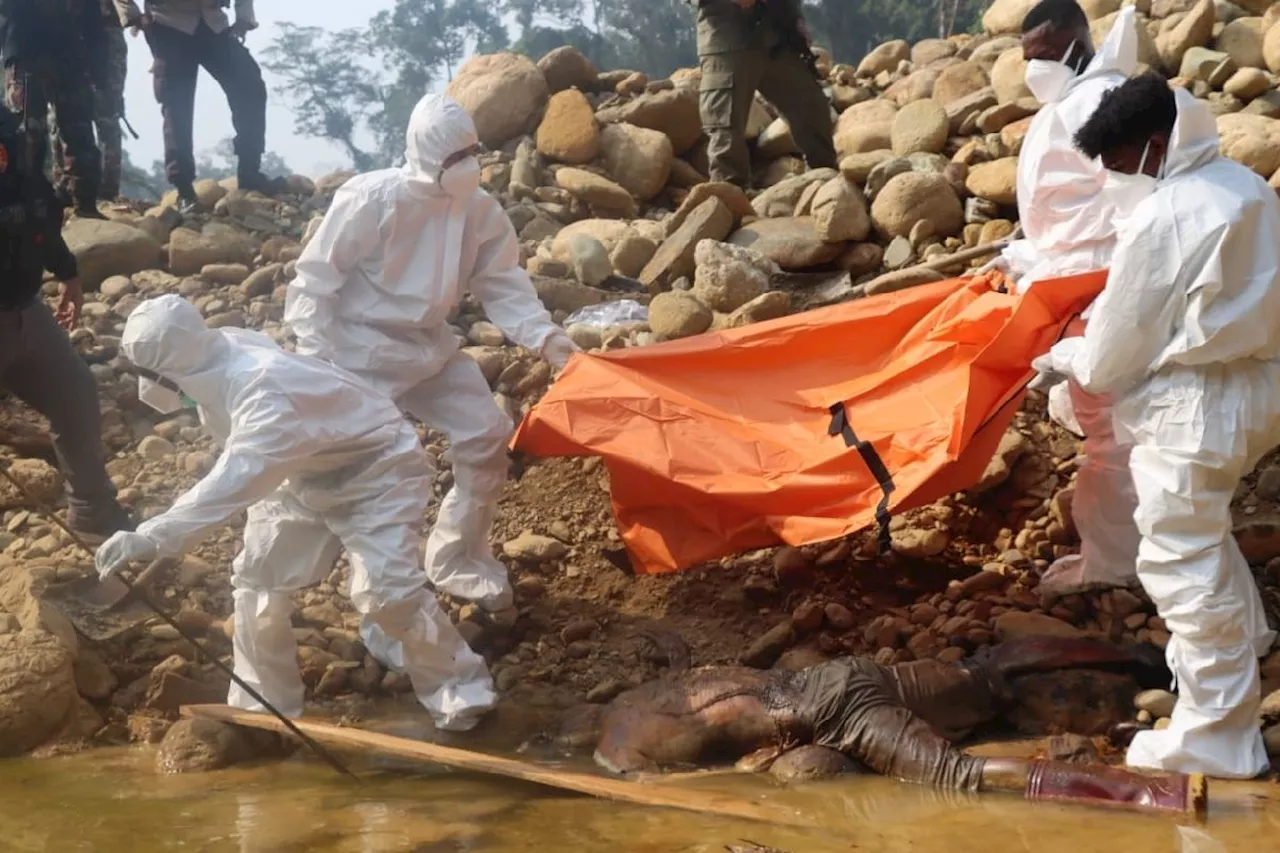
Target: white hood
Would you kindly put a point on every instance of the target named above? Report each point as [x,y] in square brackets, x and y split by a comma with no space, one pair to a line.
[167,335]
[1119,51]
[1194,140]
[438,127]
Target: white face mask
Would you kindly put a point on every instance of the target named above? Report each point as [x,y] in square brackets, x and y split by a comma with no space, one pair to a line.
[163,400]
[462,179]
[1127,191]
[1048,79]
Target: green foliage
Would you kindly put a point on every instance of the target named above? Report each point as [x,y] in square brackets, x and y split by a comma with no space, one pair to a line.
[358,85]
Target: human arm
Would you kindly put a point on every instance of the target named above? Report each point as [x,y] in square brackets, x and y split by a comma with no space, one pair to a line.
[508,297]
[349,233]
[56,255]
[129,13]
[256,459]
[1137,313]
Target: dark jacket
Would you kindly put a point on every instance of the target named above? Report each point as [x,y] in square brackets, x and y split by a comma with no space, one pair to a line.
[30,224]
[42,28]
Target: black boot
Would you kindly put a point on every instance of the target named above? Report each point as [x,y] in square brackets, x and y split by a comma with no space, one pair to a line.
[188,202]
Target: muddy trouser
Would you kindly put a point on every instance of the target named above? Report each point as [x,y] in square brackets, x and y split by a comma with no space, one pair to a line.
[178,59]
[31,87]
[109,69]
[853,706]
[39,366]
[729,84]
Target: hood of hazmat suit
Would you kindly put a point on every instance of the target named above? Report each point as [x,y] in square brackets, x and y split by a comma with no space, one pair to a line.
[397,251]
[1064,213]
[1186,337]
[277,415]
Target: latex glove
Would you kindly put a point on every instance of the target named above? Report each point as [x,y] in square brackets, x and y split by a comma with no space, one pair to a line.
[558,350]
[121,549]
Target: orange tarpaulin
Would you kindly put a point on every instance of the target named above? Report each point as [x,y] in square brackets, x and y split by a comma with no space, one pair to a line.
[731,441]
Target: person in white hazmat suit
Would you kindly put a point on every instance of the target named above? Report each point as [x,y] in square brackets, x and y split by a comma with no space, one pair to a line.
[321,461]
[393,257]
[1186,340]
[1068,223]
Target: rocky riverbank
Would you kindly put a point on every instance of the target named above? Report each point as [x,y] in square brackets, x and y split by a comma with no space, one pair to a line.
[603,177]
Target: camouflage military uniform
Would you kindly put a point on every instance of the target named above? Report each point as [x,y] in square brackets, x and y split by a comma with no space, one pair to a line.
[108,65]
[742,52]
[45,68]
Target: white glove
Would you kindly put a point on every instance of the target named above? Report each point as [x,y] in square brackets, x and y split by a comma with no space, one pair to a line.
[558,349]
[121,549]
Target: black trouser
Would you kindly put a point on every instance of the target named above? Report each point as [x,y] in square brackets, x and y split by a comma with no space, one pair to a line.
[40,367]
[178,59]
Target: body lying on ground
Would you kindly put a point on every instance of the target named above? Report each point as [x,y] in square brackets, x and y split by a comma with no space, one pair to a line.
[901,721]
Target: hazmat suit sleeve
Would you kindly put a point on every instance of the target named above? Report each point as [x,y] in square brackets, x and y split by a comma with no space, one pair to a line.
[253,464]
[507,294]
[349,233]
[1056,202]
[1137,313]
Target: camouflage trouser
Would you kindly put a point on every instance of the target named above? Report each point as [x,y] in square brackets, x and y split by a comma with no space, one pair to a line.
[34,85]
[108,74]
[729,84]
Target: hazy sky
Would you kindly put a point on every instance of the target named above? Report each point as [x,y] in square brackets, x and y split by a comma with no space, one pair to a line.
[213,120]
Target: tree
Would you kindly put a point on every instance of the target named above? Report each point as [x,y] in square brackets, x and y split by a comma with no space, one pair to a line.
[333,97]
[135,182]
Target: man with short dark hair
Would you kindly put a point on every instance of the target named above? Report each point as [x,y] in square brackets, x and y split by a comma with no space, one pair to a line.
[184,36]
[1186,340]
[742,48]
[1068,223]
[38,364]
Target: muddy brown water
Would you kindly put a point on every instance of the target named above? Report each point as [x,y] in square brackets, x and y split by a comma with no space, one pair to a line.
[111,801]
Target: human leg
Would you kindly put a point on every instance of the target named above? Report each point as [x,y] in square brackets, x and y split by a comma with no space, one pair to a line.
[728,87]
[1186,467]
[174,73]
[402,621]
[788,84]
[1102,506]
[286,548]
[47,374]
[457,401]
[229,62]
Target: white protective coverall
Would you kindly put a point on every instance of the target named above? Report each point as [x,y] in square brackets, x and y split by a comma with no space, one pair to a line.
[321,461]
[1068,221]
[1186,339]
[395,254]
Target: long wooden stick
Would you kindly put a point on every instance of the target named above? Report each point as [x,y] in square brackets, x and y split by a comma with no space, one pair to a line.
[619,790]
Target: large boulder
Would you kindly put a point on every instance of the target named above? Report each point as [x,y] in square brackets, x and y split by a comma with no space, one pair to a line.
[865,127]
[638,158]
[566,68]
[1009,77]
[503,92]
[792,244]
[671,111]
[1005,16]
[728,276]
[1194,30]
[995,181]
[839,211]
[1242,40]
[568,131]
[602,194]
[884,58]
[921,126]
[37,690]
[216,243]
[710,220]
[1271,49]
[958,81]
[38,478]
[610,232]
[1251,140]
[678,314]
[104,248]
[914,196]
[781,198]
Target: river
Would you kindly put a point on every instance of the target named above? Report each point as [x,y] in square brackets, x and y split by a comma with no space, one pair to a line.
[112,801]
